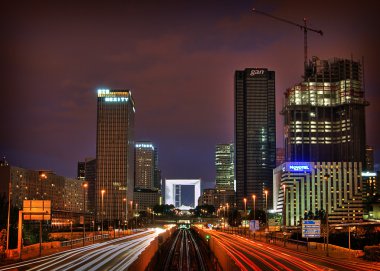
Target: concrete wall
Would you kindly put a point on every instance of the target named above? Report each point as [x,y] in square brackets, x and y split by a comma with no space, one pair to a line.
[224,258]
[145,257]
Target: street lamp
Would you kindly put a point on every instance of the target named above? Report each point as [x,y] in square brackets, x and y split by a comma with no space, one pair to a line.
[43,176]
[245,206]
[266,207]
[254,206]
[84,185]
[136,213]
[131,203]
[126,208]
[103,191]
[326,177]
[284,208]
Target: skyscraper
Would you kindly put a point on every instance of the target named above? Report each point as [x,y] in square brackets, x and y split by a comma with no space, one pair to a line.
[81,170]
[157,171]
[144,165]
[114,152]
[324,143]
[255,135]
[325,116]
[224,165]
[369,159]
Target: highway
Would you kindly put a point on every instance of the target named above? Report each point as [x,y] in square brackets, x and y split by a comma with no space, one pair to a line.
[254,255]
[116,254]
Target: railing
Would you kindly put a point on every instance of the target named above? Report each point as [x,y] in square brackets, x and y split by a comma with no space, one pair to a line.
[80,240]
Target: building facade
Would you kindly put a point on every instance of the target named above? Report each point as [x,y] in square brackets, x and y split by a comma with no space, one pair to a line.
[255,135]
[145,198]
[369,159]
[157,182]
[280,156]
[144,165]
[224,165]
[217,197]
[325,115]
[174,193]
[81,170]
[114,152]
[66,195]
[301,187]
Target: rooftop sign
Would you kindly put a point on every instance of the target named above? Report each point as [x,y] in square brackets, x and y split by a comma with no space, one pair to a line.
[257,72]
[298,167]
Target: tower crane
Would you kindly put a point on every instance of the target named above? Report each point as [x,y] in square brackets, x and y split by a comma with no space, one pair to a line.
[303,27]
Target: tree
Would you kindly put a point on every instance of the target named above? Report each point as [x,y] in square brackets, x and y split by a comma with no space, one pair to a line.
[164,209]
[234,218]
[204,210]
[259,215]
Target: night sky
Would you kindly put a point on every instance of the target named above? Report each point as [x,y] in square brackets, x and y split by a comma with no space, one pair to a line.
[177,57]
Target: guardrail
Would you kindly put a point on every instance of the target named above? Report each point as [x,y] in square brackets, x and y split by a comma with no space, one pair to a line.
[80,240]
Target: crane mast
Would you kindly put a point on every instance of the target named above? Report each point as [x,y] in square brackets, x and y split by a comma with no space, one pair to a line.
[303,27]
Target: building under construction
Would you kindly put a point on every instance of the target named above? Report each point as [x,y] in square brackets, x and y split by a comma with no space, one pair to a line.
[325,114]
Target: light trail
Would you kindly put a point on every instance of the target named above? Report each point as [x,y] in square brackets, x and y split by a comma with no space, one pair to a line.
[123,251]
[261,254]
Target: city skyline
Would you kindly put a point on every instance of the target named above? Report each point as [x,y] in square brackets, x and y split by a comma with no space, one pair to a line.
[180,73]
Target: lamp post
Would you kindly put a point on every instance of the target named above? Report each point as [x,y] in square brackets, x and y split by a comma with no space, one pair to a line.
[131,203]
[42,177]
[254,206]
[103,191]
[245,206]
[84,185]
[125,218]
[266,207]
[136,214]
[326,177]
[349,230]
[9,215]
[71,233]
[284,208]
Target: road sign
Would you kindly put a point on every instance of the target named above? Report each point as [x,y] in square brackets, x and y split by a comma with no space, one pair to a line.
[274,228]
[37,209]
[274,222]
[254,225]
[311,228]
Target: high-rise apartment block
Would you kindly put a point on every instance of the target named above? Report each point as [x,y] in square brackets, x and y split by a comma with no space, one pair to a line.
[224,164]
[255,135]
[324,115]
[114,152]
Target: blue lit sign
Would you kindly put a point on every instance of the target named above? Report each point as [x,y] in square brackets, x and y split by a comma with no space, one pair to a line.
[299,167]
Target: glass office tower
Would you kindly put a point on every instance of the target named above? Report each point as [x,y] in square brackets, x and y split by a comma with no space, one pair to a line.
[114,153]
[224,165]
[255,136]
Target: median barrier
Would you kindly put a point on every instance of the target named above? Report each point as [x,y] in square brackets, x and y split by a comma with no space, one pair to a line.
[143,260]
[224,258]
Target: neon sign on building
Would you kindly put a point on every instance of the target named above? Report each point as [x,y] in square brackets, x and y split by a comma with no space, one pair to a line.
[298,167]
